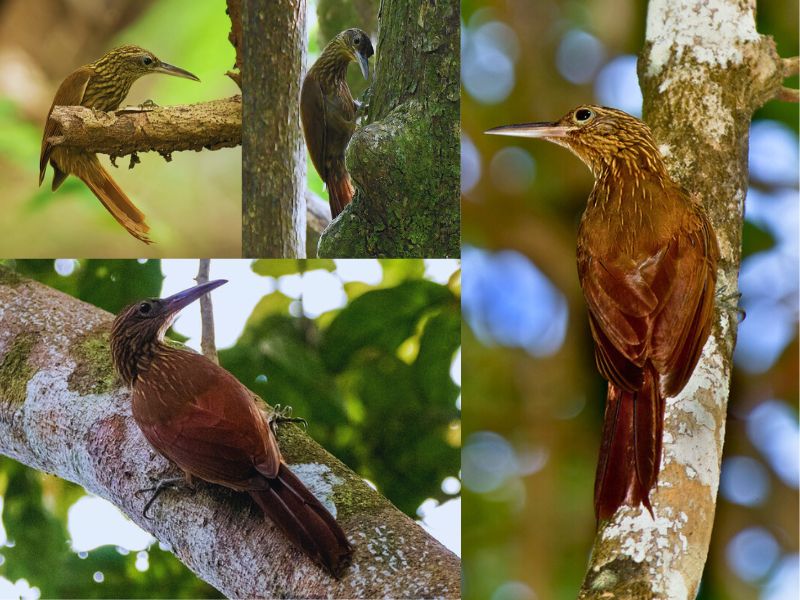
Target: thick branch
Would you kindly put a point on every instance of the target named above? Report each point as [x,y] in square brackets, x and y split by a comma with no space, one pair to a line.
[62,411]
[701,84]
[209,125]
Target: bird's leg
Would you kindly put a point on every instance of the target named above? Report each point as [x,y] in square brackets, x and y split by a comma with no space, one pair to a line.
[729,302]
[283,414]
[164,484]
[145,106]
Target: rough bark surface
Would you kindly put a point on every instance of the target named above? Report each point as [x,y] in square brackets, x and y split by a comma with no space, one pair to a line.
[236,38]
[208,125]
[704,69]
[63,411]
[405,161]
[273,160]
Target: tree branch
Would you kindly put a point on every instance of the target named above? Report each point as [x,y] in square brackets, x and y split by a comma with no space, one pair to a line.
[64,412]
[236,38]
[700,90]
[209,125]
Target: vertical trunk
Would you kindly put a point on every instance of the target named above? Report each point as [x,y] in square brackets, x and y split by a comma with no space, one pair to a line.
[701,84]
[273,164]
[405,161]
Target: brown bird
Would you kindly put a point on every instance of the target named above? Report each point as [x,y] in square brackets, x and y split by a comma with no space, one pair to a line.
[647,260]
[328,111]
[101,85]
[199,416]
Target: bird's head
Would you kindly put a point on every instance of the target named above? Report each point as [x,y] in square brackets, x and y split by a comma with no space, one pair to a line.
[141,326]
[133,62]
[356,46]
[598,135]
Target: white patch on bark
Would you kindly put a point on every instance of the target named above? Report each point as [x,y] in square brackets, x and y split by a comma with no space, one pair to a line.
[711,31]
[320,480]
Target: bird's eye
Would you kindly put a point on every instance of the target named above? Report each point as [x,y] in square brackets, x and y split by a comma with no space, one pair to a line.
[147,61]
[145,308]
[583,115]
[357,40]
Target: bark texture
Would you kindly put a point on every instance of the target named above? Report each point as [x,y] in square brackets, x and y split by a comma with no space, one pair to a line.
[64,412]
[704,70]
[405,161]
[273,163]
[236,37]
[208,125]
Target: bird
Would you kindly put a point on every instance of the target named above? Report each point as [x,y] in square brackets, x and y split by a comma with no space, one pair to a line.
[647,263]
[198,415]
[328,111]
[101,85]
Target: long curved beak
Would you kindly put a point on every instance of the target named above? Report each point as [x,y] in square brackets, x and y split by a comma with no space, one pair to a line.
[363,63]
[168,69]
[532,130]
[182,299]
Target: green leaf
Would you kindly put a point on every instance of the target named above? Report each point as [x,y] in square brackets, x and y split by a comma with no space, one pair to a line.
[440,340]
[290,266]
[380,319]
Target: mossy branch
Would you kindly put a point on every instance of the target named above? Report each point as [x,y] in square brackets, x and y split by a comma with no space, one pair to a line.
[63,411]
[163,129]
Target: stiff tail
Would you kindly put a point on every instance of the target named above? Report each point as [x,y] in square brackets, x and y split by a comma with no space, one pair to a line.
[630,454]
[340,191]
[114,199]
[304,520]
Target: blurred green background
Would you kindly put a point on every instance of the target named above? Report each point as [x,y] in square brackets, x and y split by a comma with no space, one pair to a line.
[192,204]
[366,351]
[534,401]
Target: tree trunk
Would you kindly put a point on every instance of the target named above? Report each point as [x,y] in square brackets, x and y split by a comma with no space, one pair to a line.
[701,82]
[63,411]
[273,161]
[405,161]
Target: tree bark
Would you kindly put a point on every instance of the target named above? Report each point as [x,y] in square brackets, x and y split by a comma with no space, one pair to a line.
[405,161]
[704,70]
[63,411]
[273,161]
[208,125]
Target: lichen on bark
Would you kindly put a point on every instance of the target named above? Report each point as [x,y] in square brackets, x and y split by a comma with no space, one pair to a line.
[15,372]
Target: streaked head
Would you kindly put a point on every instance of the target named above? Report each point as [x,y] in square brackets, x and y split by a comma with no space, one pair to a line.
[358,47]
[598,135]
[134,62]
[140,326]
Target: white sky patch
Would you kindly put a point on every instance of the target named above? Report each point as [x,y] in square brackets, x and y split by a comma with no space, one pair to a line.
[93,522]
[21,589]
[443,521]
[440,270]
[368,270]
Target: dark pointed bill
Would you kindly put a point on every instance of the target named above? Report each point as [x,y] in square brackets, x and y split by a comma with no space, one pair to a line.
[178,301]
[169,69]
[363,62]
[531,130]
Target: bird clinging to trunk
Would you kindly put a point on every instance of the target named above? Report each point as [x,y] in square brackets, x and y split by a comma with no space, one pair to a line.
[328,112]
[101,85]
[198,415]
[647,260]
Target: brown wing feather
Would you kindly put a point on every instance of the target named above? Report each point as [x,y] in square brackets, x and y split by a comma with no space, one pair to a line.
[70,93]
[314,120]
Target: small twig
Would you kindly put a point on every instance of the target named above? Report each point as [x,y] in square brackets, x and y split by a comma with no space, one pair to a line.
[206,314]
[318,212]
[791,67]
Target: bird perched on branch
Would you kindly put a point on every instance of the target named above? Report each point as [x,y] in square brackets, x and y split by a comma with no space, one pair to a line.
[647,260]
[198,415]
[328,112]
[101,85]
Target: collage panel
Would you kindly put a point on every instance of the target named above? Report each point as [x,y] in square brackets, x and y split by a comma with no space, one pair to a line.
[590,130]
[323,394]
[351,147]
[69,183]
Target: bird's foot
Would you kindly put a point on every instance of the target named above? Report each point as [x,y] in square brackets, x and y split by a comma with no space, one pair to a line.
[163,484]
[145,106]
[729,302]
[283,414]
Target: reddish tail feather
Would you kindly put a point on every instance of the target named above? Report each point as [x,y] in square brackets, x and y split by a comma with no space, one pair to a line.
[305,521]
[630,455]
[340,191]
